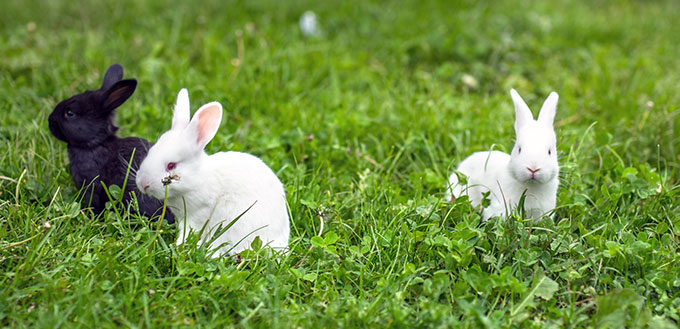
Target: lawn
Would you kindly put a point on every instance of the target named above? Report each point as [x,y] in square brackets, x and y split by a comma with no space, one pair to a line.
[363,124]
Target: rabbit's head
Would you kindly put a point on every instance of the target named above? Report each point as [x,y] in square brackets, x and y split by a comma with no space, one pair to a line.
[179,154]
[87,119]
[534,156]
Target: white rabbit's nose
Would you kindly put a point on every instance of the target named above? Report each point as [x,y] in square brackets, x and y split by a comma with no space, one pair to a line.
[533,171]
[144,184]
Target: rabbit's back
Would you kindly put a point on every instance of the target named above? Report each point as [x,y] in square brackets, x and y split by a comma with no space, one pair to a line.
[484,170]
[243,185]
[246,172]
[481,165]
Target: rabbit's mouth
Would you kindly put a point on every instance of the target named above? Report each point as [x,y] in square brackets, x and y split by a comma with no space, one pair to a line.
[535,179]
[167,180]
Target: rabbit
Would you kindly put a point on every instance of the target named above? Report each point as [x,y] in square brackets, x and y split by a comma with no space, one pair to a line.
[205,191]
[532,167]
[96,155]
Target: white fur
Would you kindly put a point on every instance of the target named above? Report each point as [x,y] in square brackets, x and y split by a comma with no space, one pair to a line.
[507,177]
[215,189]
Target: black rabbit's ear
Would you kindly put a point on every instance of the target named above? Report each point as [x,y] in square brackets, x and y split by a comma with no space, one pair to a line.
[113,75]
[119,93]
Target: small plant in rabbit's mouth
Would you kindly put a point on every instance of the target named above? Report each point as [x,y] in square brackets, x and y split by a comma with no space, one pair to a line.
[167,180]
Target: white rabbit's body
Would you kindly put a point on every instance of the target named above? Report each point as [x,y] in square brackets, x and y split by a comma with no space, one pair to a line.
[234,182]
[532,168]
[205,191]
[488,172]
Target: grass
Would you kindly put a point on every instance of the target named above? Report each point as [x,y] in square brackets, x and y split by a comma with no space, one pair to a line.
[363,126]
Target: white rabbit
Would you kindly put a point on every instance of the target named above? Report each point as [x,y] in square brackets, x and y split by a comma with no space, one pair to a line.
[208,190]
[532,167]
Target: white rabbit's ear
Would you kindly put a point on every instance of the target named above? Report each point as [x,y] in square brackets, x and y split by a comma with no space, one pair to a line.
[547,115]
[205,123]
[180,116]
[522,112]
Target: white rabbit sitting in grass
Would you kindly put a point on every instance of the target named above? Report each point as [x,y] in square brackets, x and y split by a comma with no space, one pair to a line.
[208,190]
[532,167]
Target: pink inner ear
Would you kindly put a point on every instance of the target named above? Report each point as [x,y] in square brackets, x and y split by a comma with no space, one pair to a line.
[207,121]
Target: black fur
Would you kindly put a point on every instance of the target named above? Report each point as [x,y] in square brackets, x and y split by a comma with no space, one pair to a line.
[85,123]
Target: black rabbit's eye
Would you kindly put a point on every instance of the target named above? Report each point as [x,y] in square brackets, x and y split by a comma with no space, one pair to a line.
[69,114]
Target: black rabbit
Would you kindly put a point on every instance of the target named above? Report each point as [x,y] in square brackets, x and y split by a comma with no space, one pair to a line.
[96,154]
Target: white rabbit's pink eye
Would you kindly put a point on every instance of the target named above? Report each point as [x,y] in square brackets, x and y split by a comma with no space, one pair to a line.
[519,149]
[549,152]
[170,166]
